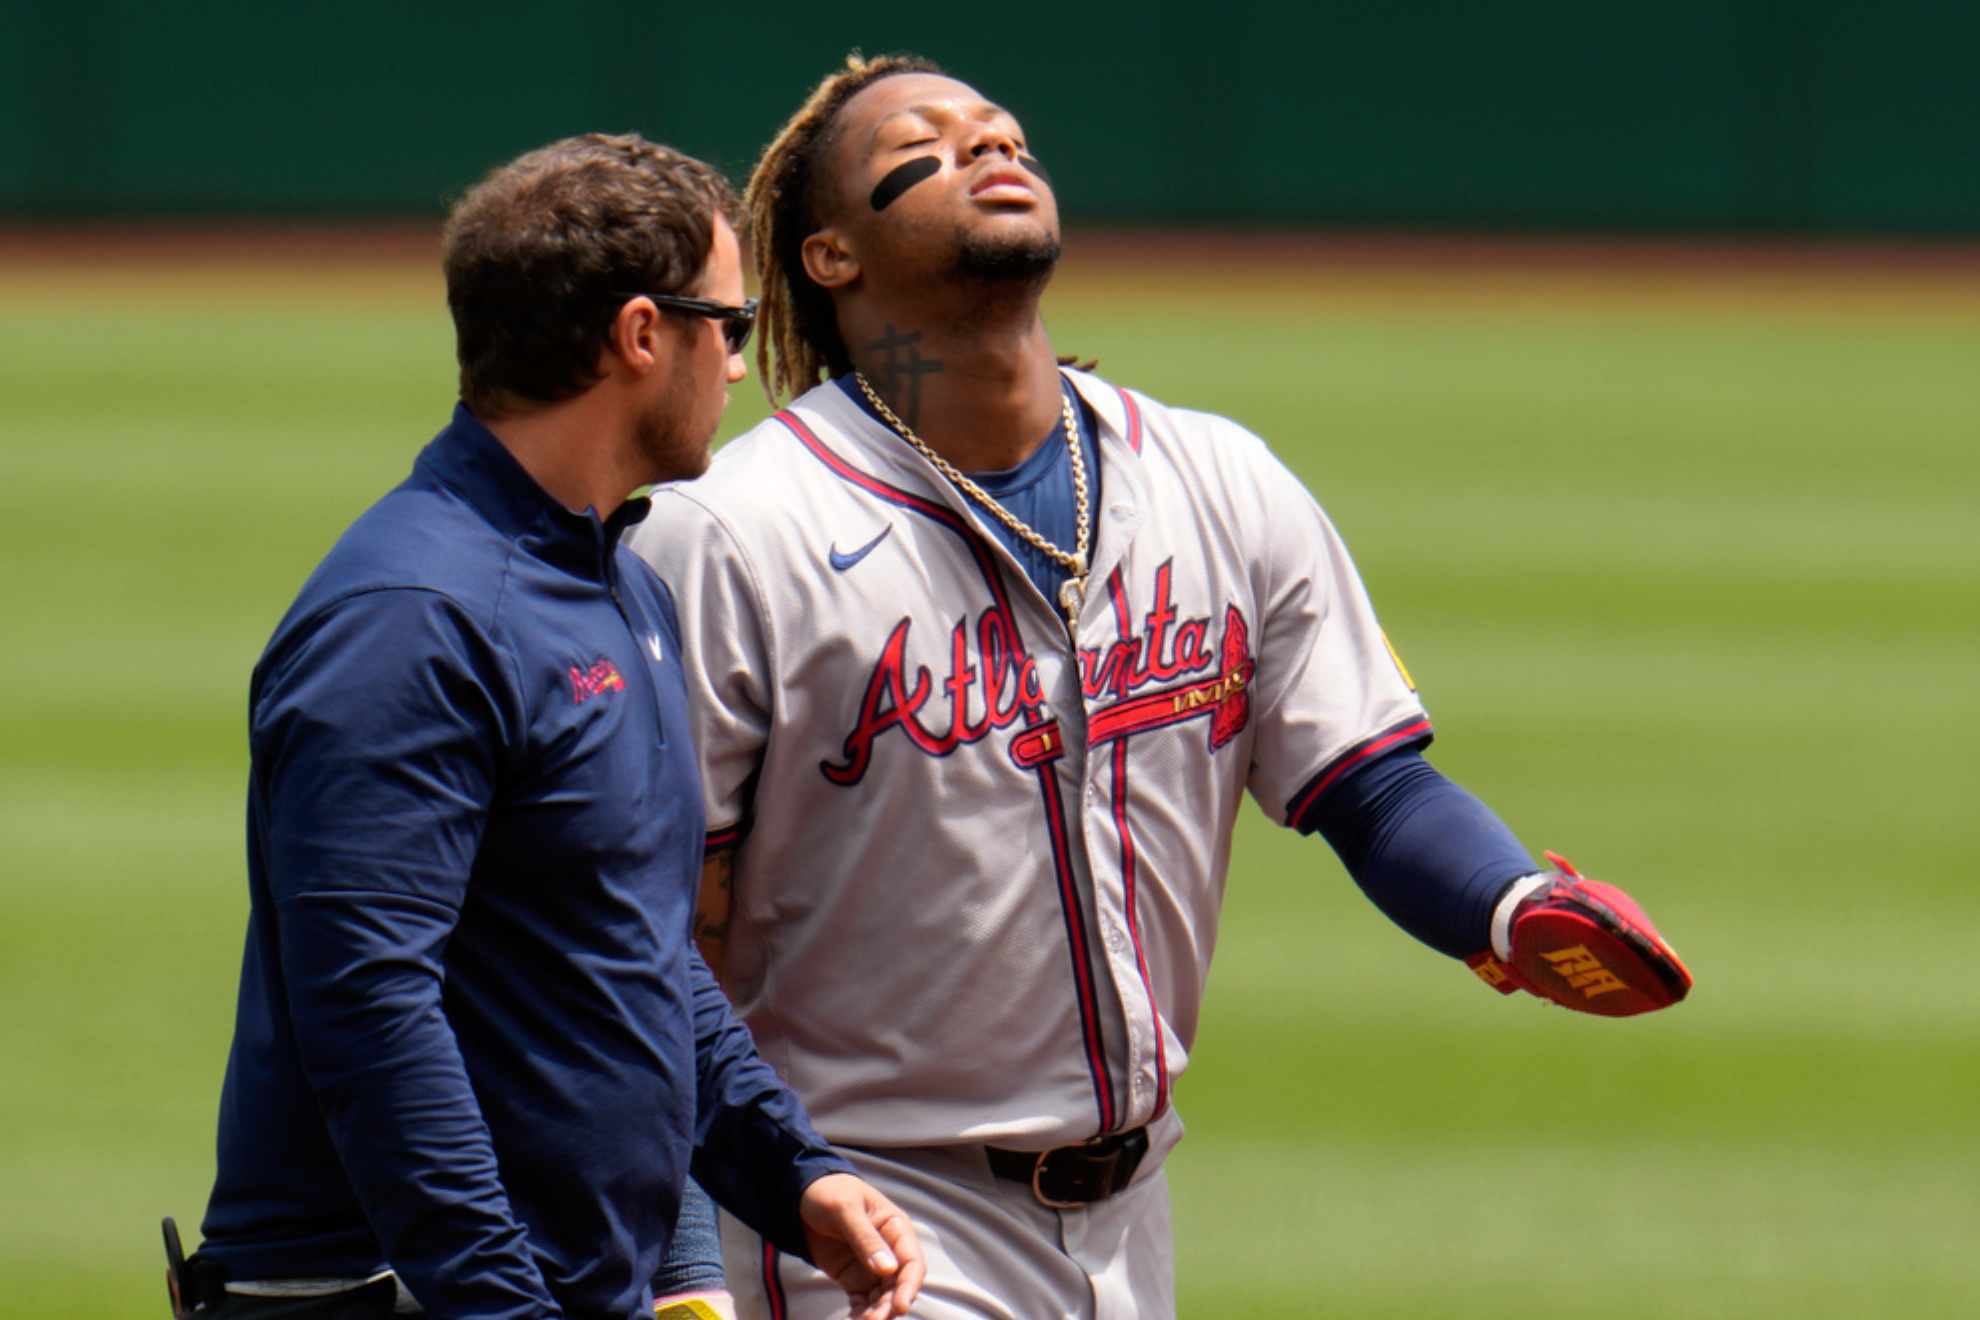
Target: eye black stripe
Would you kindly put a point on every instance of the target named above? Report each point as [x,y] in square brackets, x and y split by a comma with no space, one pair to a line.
[901,178]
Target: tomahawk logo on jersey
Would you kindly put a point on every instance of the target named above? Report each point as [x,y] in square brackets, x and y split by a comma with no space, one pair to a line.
[854,629]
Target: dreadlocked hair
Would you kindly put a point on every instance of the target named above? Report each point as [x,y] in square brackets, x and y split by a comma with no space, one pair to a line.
[799,340]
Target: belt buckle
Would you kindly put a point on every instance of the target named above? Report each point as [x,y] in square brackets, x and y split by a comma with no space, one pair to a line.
[1038,1187]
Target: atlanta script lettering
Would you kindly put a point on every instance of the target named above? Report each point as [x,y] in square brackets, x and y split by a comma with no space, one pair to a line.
[992,683]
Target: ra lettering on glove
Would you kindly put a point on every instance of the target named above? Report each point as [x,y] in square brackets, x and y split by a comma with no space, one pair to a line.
[1583,944]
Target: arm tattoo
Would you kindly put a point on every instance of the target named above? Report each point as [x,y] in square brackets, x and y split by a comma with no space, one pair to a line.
[897,375]
[711,909]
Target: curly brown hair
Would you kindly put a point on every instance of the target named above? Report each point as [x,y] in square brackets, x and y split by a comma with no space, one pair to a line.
[800,339]
[540,256]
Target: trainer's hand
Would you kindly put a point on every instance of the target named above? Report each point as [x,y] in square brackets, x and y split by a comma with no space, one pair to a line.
[864,1242]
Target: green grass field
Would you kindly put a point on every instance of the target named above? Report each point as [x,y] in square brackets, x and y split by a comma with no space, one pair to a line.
[1691,586]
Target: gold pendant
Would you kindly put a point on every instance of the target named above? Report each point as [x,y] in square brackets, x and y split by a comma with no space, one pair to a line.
[1072,594]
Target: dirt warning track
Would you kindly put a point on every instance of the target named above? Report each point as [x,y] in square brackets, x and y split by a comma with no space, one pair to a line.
[382,259]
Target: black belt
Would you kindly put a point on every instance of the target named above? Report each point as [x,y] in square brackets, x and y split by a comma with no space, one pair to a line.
[198,1286]
[1069,1176]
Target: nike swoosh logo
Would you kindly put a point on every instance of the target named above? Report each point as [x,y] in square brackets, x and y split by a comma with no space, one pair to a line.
[844,562]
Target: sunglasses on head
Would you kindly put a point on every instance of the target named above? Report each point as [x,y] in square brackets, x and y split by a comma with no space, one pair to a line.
[736,321]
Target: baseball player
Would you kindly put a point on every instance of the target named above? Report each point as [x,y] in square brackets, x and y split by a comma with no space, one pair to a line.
[983,652]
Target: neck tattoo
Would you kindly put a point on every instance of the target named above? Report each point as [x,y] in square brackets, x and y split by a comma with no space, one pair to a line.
[1072,592]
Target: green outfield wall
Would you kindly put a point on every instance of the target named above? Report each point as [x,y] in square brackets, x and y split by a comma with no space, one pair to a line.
[1742,115]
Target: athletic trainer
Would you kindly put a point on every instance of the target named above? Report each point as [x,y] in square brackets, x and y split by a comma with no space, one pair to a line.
[983,653]
[475,1049]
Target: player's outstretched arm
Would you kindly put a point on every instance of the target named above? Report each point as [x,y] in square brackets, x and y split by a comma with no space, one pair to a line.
[1582,944]
[865,1243]
[1445,868]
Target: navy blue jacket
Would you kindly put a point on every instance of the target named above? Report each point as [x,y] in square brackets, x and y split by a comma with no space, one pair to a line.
[474,1041]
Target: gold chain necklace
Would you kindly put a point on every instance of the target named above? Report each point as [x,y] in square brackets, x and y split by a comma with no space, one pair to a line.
[1072,592]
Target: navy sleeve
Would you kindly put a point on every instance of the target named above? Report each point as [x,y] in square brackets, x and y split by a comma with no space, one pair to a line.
[693,1262]
[755,1150]
[378,743]
[1431,856]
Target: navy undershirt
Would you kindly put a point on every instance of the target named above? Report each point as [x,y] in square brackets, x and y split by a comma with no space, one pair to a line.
[1038,491]
[1430,855]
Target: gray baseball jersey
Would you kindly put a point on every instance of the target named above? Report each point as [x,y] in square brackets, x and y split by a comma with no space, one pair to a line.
[981,866]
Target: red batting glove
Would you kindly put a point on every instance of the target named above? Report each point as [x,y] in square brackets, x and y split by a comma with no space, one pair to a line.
[1587,946]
